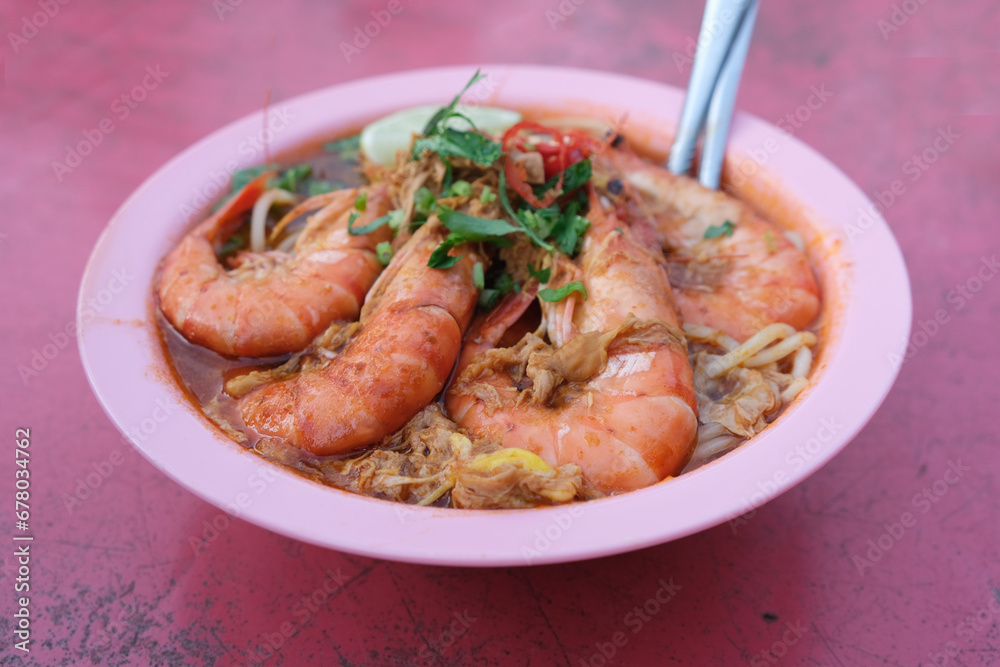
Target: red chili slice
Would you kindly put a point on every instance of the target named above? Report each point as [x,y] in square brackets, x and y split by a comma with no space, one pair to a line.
[565,149]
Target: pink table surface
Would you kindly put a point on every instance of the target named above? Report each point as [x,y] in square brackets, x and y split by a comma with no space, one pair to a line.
[114,577]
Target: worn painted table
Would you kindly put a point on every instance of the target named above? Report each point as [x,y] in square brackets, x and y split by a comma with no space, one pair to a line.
[887,556]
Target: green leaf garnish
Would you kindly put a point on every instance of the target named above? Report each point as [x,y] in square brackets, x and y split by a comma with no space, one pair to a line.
[725,229]
[469,144]
[488,195]
[361,201]
[289,179]
[575,176]
[440,259]
[473,228]
[383,251]
[242,177]
[464,228]
[570,229]
[542,276]
[444,112]
[478,279]
[510,211]
[348,147]
[552,295]
[449,142]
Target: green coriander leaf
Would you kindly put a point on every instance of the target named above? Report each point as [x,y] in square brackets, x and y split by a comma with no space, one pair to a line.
[348,147]
[243,176]
[478,279]
[570,229]
[469,144]
[725,229]
[510,211]
[289,180]
[440,259]
[488,195]
[444,112]
[473,228]
[384,253]
[542,276]
[552,295]
[361,201]
[575,176]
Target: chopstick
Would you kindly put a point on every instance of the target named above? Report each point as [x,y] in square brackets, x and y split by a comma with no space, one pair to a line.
[726,30]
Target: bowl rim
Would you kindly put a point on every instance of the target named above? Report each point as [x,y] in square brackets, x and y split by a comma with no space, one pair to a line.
[128,373]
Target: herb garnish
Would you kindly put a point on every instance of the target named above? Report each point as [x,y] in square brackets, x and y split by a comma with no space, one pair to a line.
[561,293]
[449,142]
[725,229]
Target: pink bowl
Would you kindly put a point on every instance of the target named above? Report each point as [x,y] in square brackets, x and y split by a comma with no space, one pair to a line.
[861,270]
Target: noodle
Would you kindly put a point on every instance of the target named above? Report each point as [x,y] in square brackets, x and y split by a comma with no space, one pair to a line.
[258,219]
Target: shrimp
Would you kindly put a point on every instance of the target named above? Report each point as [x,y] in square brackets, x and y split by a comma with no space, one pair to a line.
[613,394]
[410,336]
[272,302]
[745,278]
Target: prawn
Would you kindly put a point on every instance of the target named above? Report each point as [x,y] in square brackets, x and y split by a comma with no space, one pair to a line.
[613,393]
[273,302]
[410,336]
[730,269]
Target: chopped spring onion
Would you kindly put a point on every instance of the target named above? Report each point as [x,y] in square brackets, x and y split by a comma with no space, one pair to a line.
[384,253]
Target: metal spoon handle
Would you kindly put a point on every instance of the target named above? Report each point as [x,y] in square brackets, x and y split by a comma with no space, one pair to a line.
[718,29]
[720,109]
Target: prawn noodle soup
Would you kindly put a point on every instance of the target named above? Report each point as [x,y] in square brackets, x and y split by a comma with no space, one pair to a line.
[462,308]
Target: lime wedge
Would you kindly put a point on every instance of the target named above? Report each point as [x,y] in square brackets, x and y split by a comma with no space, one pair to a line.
[380,140]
